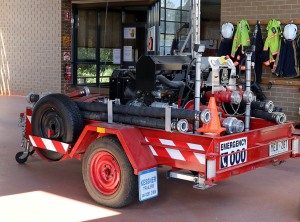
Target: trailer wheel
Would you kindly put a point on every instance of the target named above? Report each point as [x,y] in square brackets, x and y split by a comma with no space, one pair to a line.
[107,173]
[56,117]
[19,158]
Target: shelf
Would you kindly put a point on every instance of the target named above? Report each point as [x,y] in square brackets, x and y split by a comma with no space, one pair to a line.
[285,82]
[265,22]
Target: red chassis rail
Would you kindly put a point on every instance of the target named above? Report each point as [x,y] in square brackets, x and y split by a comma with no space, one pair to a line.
[214,158]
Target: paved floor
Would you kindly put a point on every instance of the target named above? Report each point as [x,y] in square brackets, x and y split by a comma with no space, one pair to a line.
[44,191]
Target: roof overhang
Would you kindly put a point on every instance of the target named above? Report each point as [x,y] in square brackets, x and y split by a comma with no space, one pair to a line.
[115,2]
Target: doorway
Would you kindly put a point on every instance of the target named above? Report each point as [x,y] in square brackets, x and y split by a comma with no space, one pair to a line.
[105,42]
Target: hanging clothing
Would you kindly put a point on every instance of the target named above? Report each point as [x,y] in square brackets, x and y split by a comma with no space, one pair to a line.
[241,39]
[286,61]
[258,42]
[298,49]
[225,47]
[271,46]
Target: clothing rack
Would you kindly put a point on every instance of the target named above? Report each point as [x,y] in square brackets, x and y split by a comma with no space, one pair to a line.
[265,22]
[273,80]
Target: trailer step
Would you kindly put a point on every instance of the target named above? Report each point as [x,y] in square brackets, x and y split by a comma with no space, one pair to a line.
[200,182]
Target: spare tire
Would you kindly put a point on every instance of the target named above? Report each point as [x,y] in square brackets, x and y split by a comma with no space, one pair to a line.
[56,117]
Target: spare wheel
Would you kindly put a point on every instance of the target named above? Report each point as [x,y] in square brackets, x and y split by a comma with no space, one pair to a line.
[56,117]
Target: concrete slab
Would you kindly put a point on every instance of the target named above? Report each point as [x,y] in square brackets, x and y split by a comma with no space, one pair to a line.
[46,191]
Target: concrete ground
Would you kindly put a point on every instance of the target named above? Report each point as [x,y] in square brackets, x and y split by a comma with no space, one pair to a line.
[45,191]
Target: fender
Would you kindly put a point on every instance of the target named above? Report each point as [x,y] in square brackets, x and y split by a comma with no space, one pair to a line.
[130,137]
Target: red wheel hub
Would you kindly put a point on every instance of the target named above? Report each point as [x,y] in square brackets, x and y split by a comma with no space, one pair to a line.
[105,173]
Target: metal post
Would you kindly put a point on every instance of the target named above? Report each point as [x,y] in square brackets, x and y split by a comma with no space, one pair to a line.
[110,111]
[248,89]
[196,12]
[197,87]
[168,118]
[197,54]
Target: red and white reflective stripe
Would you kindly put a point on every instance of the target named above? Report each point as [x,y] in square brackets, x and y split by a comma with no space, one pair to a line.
[47,144]
[29,118]
[151,148]
[175,153]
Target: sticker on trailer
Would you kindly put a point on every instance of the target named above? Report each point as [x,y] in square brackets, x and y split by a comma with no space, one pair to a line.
[233,147]
[148,187]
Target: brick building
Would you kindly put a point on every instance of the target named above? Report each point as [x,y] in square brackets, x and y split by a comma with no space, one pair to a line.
[35,34]
[284,92]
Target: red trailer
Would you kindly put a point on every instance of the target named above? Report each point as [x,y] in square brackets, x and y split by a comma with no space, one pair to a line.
[120,159]
[196,115]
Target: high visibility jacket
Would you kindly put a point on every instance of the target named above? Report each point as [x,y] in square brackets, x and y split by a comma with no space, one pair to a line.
[272,42]
[240,39]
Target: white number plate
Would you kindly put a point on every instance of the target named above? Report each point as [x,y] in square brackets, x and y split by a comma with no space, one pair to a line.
[148,187]
[278,147]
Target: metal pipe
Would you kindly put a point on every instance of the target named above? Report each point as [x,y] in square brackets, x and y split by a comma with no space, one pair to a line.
[197,87]
[233,125]
[196,12]
[197,54]
[248,90]
[78,93]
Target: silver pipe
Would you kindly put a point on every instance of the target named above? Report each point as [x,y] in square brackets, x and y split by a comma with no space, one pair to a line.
[248,90]
[197,87]
[197,55]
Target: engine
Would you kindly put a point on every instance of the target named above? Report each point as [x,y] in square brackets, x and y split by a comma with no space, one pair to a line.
[158,81]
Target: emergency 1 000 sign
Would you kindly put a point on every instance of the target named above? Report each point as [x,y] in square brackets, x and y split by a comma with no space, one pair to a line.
[234,148]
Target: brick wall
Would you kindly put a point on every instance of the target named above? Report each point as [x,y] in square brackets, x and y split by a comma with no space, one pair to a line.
[30,46]
[245,9]
[288,97]
[66,9]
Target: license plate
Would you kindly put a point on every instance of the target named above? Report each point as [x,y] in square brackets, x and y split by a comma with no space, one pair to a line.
[278,147]
[148,187]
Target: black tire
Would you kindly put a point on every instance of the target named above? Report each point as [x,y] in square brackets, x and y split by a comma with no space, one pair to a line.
[20,160]
[60,114]
[103,153]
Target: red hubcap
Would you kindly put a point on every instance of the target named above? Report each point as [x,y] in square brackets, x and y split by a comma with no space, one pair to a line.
[105,173]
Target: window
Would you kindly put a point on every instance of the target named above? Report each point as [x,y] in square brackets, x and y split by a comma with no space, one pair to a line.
[173,15]
[94,44]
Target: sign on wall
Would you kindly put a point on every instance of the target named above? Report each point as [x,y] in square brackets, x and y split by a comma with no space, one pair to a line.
[127,54]
[66,41]
[151,39]
[117,56]
[67,56]
[130,33]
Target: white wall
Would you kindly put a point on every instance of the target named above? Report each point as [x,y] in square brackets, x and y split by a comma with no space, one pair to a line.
[30,46]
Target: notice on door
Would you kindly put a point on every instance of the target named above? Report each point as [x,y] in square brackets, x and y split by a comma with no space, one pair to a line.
[117,56]
[127,54]
[130,33]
